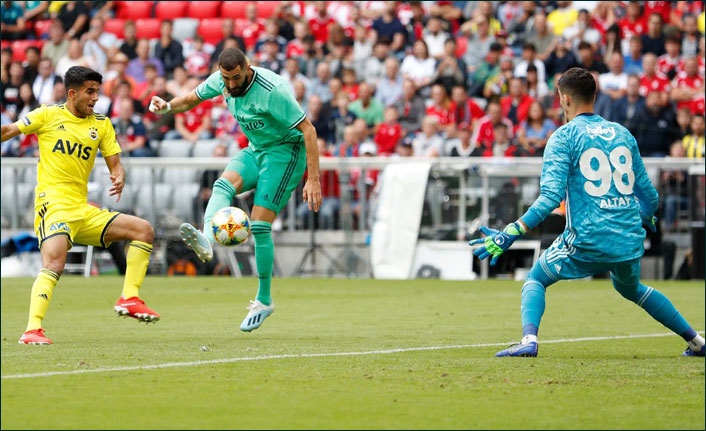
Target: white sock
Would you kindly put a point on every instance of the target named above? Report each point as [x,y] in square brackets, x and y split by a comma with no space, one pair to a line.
[696,343]
[529,339]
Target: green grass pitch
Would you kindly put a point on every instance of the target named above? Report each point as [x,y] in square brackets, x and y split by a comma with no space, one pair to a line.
[600,384]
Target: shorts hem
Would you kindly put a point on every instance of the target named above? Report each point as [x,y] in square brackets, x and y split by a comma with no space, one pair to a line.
[105,229]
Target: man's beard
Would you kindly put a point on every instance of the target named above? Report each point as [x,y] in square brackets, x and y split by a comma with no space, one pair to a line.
[239,91]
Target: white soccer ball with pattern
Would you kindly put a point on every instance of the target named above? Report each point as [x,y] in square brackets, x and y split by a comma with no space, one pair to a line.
[231,226]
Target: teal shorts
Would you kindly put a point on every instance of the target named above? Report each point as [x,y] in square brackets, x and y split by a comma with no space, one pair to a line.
[273,172]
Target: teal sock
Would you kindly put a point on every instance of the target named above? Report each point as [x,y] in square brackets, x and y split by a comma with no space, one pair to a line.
[663,311]
[533,305]
[264,258]
[221,197]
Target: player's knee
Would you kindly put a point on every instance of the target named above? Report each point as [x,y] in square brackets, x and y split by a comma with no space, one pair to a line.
[55,265]
[144,232]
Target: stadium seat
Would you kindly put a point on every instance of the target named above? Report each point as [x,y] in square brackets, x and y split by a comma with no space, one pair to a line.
[233,9]
[175,148]
[19,47]
[179,175]
[170,9]
[133,9]
[210,30]
[162,200]
[184,202]
[205,148]
[127,200]
[184,28]
[147,28]
[23,206]
[115,26]
[142,175]
[265,9]
[41,28]
[204,9]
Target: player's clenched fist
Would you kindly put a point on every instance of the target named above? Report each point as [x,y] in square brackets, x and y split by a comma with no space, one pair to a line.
[159,105]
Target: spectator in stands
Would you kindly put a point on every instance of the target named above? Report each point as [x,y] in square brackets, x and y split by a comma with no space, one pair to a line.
[5,61]
[588,60]
[97,44]
[536,89]
[560,59]
[11,102]
[320,22]
[460,145]
[300,94]
[389,27]
[541,38]
[194,124]
[603,104]
[428,143]
[349,146]
[350,83]
[43,85]
[450,70]
[633,60]
[129,46]
[60,94]
[313,54]
[389,89]
[534,132]
[529,56]
[688,87]
[197,62]
[73,16]
[656,128]
[418,66]
[690,42]
[362,49]
[633,24]
[341,117]
[57,46]
[479,42]
[410,107]
[28,102]
[562,17]
[158,125]
[123,91]
[465,109]
[516,104]
[291,73]
[488,68]
[366,107]
[684,116]
[651,80]
[250,27]
[615,82]
[499,85]
[435,37]
[653,41]
[319,114]
[31,63]
[693,144]
[130,131]
[74,57]
[483,132]
[389,133]
[13,23]
[442,108]
[295,47]
[626,108]
[179,84]
[136,67]
[613,42]
[668,63]
[228,29]
[270,57]
[521,24]
[374,66]
[583,31]
[319,86]
[168,51]
[504,145]
[118,66]
[404,148]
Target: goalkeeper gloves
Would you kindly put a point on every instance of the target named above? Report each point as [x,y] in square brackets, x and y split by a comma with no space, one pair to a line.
[495,242]
[650,221]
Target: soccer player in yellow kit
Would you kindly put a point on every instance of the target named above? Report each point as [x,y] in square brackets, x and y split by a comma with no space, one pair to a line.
[70,135]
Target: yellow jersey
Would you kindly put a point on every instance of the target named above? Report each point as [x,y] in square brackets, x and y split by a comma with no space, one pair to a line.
[67,151]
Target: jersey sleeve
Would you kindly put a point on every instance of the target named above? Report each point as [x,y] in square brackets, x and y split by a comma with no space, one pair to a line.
[33,121]
[644,190]
[109,145]
[555,174]
[285,109]
[210,88]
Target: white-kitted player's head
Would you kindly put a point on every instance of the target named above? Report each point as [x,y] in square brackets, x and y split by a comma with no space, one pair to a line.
[235,71]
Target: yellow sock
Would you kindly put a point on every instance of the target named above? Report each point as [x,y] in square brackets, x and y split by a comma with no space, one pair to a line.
[138,257]
[41,295]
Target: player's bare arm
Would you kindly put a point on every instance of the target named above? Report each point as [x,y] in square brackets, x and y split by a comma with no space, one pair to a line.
[117,175]
[176,105]
[312,188]
[9,131]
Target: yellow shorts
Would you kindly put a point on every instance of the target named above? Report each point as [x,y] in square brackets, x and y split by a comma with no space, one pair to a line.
[82,224]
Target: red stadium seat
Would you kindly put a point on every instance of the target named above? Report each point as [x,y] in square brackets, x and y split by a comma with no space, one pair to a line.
[41,27]
[204,9]
[233,9]
[210,30]
[461,46]
[147,28]
[171,9]
[133,9]
[19,47]
[115,26]
[265,9]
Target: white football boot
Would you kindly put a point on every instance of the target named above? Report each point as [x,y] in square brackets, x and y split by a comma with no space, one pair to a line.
[196,241]
[257,314]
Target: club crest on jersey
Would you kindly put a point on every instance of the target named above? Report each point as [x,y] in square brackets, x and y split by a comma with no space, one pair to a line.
[59,227]
[605,133]
[93,133]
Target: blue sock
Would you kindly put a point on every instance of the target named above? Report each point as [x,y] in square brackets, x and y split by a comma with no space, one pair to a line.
[532,306]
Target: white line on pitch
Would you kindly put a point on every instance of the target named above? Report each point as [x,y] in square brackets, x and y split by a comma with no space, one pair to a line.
[316,355]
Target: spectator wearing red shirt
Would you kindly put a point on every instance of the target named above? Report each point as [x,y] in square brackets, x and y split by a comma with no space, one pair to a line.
[689,87]
[389,133]
[651,80]
[633,24]
[663,8]
[193,124]
[667,63]
[320,22]
[516,104]
[250,27]
[442,107]
[350,85]
[123,91]
[295,47]
[466,110]
[483,133]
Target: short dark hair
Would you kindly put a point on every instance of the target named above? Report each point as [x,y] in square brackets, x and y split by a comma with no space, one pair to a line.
[578,83]
[230,58]
[529,46]
[584,45]
[77,75]
[32,48]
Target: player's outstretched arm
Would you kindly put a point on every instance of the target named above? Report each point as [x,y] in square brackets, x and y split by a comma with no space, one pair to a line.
[176,105]
[9,131]
[117,175]
[312,188]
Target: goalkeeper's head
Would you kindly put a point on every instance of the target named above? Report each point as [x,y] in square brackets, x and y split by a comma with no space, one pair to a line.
[235,71]
[577,91]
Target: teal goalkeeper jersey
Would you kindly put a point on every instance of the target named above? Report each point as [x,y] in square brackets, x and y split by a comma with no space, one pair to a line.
[267,112]
[595,165]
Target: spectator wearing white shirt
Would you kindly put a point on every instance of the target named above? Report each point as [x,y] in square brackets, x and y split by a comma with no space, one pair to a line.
[374,70]
[418,66]
[435,37]
[529,56]
[428,143]
[43,85]
[615,82]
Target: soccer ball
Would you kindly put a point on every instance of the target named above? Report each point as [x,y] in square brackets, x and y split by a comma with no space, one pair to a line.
[231,226]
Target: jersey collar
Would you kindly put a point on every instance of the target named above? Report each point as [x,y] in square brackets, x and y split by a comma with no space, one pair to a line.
[252,81]
[586,114]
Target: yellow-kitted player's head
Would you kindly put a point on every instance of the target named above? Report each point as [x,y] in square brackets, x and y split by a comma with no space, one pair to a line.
[82,87]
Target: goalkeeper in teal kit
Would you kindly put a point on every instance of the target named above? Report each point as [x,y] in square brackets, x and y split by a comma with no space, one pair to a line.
[595,166]
[282,146]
